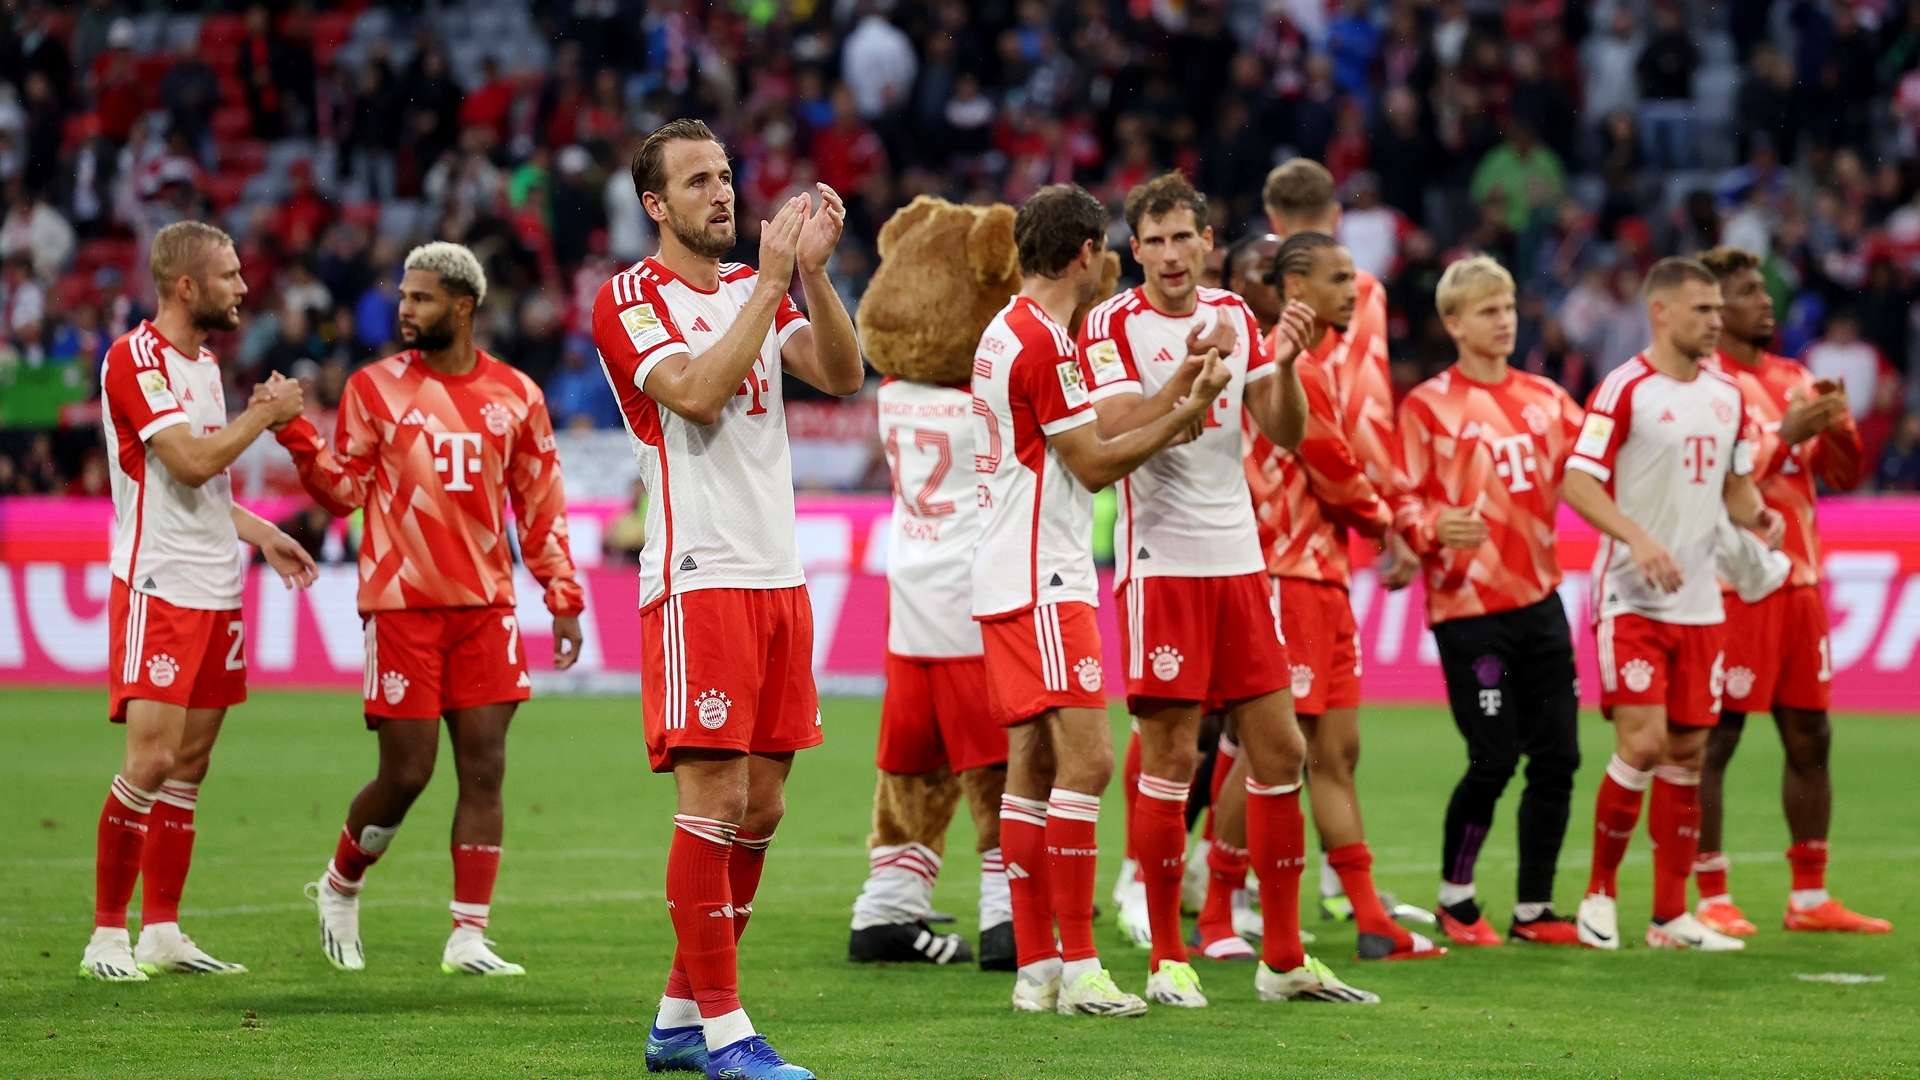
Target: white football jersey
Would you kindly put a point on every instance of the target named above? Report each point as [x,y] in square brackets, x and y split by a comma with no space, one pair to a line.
[1036,539]
[1664,448]
[169,540]
[1187,511]
[720,514]
[928,433]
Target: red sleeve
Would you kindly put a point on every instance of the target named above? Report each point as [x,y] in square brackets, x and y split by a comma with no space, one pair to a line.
[1609,416]
[137,390]
[338,476]
[633,329]
[1259,347]
[1748,440]
[1106,360]
[1412,514]
[540,509]
[788,320]
[1048,377]
[1334,475]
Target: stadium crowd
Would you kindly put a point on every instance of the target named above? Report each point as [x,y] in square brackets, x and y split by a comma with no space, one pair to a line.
[1577,142]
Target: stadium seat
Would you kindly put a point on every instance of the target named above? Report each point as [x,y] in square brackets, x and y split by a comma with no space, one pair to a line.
[232,122]
[222,34]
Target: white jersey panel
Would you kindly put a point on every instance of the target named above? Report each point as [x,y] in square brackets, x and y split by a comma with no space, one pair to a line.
[928,435]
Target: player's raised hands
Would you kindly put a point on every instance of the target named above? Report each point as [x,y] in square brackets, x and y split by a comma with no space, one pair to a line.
[1295,331]
[288,559]
[1212,379]
[1656,565]
[566,641]
[779,238]
[1461,527]
[821,231]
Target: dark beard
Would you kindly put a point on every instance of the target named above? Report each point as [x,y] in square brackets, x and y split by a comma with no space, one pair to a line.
[433,338]
[697,239]
[216,320]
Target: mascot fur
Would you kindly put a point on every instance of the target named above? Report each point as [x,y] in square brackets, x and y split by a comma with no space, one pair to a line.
[945,271]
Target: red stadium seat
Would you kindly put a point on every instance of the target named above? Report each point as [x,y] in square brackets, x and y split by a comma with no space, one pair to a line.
[223,189]
[242,156]
[232,122]
[221,34]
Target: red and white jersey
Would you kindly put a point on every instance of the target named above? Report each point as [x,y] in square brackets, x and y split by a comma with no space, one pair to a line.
[1036,539]
[928,433]
[1500,448]
[1186,512]
[721,511]
[1363,385]
[169,540]
[434,460]
[1664,448]
[1786,473]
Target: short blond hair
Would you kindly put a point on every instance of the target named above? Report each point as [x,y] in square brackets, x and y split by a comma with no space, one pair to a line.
[1468,280]
[180,250]
[1300,190]
[457,265]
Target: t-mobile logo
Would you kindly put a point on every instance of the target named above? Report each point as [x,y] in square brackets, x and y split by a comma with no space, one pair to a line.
[1513,460]
[1701,455]
[1490,702]
[462,459]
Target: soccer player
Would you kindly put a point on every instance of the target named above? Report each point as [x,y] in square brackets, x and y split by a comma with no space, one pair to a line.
[1483,449]
[935,722]
[695,349]
[1038,456]
[1197,611]
[177,655]
[1299,197]
[1305,501]
[1777,657]
[1664,453]
[432,444]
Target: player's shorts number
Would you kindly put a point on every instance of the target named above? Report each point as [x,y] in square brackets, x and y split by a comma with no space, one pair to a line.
[238,631]
[512,627]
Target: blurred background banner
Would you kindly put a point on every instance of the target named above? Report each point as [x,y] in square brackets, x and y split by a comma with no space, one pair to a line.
[54,579]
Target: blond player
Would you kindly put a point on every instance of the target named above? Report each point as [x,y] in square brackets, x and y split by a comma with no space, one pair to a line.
[178,646]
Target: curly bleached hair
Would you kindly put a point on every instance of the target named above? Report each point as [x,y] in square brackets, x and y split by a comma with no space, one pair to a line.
[458,267]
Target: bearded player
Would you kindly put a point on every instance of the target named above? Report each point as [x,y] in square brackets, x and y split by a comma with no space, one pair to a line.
[177,656]
[1483,449]
[1038,456]
[1197,612]
[1665,453]
[433,444]
[694,349]
[1777,653]
[1305,501]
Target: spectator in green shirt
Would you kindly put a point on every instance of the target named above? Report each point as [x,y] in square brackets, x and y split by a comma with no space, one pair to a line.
[1525,171]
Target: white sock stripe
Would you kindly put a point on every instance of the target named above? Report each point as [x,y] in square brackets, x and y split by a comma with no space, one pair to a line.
[1021,802]
[1675,774]
[1024,817]
[1165,790]
[182,797]
[1254,788]
[1070,797]
[1713,860]
[757,843]
[132,797]
[475,910]
[716,832]
[1073,805]
[1627,776]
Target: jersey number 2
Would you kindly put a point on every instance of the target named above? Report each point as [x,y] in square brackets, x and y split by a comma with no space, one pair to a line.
[924,504]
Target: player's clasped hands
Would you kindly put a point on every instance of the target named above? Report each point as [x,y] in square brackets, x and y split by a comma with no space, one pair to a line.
[1810,416]
[283,399]
[779,240]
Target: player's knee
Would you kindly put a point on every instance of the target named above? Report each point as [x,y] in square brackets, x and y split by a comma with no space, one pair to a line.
[1492,770]
[483,775]
[1175,763]
[1807,739]
[1687,754]
[761,819]
[1553,770]
[191,766]
[150,764]
[408,776]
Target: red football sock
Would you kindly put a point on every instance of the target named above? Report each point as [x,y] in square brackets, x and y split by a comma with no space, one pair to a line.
[1226,874]
[1354,863]
[1159,835]
[1073,850]
[475,868]
[1277,841]
[1710,874]
[743,876]
[350,860]
[1616,811]
[116,851]
[698,899]
[1129,789]
[1023,846]
[1808,858]
[1673,821]
[168,851]
[1224,757]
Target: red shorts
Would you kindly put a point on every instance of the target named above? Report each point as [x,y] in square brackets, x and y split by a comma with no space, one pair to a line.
[1643,662]
[182,656]
[425,662]
[728,669]
[1211,640]
[1777,653]
[1323,643]
[938,712]
[1047,657]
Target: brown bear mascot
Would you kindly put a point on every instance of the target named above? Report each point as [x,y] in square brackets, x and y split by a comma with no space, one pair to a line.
[945,271]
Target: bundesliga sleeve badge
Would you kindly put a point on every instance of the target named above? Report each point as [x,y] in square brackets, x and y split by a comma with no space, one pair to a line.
[1071,388]
[1594,435]
[1104,358]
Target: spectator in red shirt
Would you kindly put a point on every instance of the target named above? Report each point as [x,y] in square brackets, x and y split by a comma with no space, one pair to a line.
[305,214]
[492,104]
[847,151]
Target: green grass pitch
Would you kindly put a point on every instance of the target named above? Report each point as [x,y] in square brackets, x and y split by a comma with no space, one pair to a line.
[579,903]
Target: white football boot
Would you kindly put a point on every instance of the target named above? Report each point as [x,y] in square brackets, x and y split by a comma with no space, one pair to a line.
[1311,981]
[1687,932]
[1176,984]
[163,948]
[339,926]
[109,957]
[468,952]
[1598,922]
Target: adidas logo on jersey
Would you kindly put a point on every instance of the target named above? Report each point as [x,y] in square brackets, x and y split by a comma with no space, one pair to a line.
[1143,553]
[700,324]
[523,682]
[415,417]
[688,564]
[1055,581]
[148,584]
[1016,872]
[1163,356]
[1666,416]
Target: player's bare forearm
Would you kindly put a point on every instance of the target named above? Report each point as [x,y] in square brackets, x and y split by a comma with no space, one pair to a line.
[1584,492]
[1744,504]
[1097,461]
[1123,413]
[829,362]
[1279,407]
[195,459]
[697,388]
[251,527]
